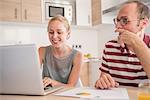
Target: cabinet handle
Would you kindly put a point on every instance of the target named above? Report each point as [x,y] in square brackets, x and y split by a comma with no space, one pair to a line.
[25,14]
[15,11]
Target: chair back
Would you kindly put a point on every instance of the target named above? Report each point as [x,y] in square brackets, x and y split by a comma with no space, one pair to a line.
[79,83]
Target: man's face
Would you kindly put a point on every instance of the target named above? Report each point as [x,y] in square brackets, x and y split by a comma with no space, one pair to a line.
[128,18]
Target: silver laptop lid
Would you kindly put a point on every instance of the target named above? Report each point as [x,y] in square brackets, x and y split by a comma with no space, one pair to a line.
[0,71]
[20,70]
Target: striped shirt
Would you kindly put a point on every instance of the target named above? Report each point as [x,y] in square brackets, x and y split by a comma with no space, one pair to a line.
[123,65]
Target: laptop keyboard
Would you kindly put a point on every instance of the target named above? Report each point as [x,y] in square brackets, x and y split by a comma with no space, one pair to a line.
[47,87]
[52,89]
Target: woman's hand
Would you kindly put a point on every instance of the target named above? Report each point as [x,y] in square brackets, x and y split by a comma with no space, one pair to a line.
[105,82]
[47,81]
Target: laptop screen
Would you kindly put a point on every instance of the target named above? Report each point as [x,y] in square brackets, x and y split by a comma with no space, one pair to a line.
[20,70]
[0,70]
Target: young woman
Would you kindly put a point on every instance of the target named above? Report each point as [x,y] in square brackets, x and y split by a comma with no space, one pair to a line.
[61,63]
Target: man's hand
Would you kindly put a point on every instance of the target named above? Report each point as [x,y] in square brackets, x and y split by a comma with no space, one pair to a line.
[105,82]
[128,38]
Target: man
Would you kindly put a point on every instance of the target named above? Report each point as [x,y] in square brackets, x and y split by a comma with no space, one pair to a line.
[126,61]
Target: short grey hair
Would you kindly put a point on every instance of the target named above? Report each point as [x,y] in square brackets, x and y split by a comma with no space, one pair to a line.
[142,9]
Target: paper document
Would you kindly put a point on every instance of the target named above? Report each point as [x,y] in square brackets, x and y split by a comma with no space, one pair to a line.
[89,92]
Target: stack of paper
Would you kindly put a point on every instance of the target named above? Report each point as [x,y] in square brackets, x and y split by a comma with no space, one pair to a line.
[88,92]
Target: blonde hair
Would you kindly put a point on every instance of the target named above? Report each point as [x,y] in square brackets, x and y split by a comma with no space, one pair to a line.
[61,19]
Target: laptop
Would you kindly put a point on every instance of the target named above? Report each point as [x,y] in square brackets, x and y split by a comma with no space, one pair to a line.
[20,71]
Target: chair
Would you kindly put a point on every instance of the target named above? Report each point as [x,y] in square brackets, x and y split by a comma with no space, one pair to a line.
[79,83]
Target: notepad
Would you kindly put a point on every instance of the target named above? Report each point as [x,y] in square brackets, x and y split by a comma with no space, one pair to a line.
[89,92]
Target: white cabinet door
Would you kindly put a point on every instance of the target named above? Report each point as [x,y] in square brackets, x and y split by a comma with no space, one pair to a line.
[83,12]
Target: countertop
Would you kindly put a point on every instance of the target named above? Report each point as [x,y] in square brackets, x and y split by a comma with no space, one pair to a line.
[91,60]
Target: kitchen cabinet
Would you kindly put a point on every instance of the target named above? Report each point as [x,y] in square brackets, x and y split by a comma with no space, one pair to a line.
[10,10]
[96,12]
[98,6]
[90,12]
[103,11]
[31,11]
[83,12]
[21,11]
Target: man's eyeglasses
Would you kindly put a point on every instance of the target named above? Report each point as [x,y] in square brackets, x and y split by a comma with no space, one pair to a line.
[123,21]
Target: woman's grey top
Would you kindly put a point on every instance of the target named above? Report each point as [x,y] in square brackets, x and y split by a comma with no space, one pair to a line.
[57,68]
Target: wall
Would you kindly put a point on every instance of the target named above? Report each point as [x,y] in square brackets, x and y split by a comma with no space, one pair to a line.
[87,38]
[21,33]
[92,40]
[110,3]
[105,33]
